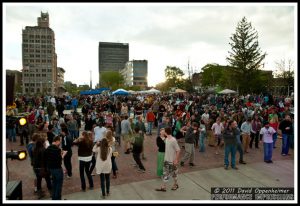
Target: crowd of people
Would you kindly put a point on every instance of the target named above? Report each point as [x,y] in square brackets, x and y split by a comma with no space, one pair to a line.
[229,123]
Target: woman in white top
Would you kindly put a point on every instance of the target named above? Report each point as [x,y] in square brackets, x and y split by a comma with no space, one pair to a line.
[103,164]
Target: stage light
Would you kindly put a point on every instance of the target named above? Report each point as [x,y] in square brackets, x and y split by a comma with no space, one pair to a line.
[16,155]
[22,121]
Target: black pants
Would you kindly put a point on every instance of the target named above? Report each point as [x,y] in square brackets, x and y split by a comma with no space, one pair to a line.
[137,159]
[105,183]
[93,163]
[24,135]
[39,179]
[255,137]
[68,163]
[85,166]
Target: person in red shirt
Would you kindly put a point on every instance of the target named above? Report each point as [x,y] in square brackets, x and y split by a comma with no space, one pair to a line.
[150,119]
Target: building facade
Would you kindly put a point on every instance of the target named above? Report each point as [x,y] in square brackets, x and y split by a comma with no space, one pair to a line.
[39,59]
[135,73]
[112,56]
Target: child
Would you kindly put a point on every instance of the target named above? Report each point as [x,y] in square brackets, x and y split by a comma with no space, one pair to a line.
[137,149]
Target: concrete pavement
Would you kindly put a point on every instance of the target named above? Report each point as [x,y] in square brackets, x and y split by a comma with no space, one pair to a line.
[197,185]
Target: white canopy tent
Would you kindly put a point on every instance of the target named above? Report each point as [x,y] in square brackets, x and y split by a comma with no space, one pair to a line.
[227,91]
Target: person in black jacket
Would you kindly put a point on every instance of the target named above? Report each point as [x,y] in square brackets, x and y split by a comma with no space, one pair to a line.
[85,152]
[67,148]
[53,157]
[39,166]
[160,142]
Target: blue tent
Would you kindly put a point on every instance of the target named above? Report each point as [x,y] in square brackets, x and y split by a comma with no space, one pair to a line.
[120,92]
[93,91]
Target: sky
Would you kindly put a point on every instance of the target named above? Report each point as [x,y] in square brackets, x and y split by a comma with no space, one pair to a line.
[169,34]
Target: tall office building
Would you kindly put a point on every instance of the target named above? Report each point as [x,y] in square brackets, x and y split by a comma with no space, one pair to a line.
[135,73]
[112,56]
[39,58]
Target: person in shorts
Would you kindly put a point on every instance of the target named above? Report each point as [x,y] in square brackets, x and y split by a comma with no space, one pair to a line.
[171,160]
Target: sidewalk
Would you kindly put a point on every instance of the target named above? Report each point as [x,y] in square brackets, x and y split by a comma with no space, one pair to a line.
[197,185]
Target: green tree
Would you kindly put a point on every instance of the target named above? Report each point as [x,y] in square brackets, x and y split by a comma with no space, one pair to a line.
[71,88]
[212,74]
[286,72]
[245,56]
[162,86]
[111,79]
[174,76]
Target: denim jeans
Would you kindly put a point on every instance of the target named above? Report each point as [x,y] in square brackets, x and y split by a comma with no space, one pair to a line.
[230,148]
[149,129]
[11,133]
[105,183]
[85,166]
[285,144]
[57,183]
[114,165]
[202,143]
[268,149]
[73,134]
[239,148]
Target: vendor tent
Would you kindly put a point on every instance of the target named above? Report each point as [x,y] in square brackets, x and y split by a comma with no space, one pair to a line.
[180,91]
[227,91]
[120,92]
[153,91]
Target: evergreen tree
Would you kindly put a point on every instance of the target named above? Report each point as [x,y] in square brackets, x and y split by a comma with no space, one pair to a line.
[246,57]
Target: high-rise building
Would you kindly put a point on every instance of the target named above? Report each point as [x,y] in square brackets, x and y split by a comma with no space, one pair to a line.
[39,59]
[135,73]
[112,56]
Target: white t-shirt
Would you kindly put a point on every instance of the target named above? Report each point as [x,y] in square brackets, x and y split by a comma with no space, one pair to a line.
[267,134]
[99,133]
[217,128]
[205,117]
[171,148]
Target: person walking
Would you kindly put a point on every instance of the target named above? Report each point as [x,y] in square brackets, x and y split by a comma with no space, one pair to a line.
[85,151]
[171,160]
[137,148]
[103,165]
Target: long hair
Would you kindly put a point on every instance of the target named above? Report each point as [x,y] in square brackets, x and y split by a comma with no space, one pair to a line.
[39,146]
[86,137]
[104,149]
[109,136]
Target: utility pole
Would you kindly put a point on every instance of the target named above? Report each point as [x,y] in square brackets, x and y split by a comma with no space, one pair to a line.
[90,79]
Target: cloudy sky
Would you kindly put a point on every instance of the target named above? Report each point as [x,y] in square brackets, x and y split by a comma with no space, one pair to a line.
[163,34]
